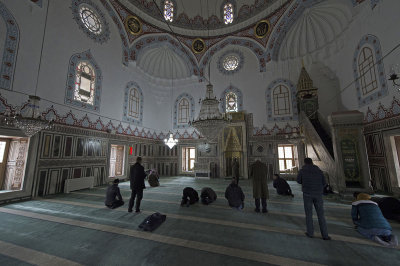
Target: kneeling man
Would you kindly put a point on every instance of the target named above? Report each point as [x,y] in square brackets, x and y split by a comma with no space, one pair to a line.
[113,196]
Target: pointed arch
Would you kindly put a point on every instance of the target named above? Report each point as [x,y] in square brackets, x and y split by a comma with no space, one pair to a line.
[281,92]
[83,70]
[369,71]
[229,94]
[11,41]
[183,111]
[133,104]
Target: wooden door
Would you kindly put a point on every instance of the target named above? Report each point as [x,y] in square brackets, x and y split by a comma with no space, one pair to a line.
[4,146]
[119,161]
[16,160]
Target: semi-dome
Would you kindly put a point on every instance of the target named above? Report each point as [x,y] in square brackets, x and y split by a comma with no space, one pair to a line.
[318,26]
[161,62]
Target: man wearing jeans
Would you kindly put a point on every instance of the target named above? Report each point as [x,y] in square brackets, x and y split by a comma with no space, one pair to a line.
[313,182]
[137,176]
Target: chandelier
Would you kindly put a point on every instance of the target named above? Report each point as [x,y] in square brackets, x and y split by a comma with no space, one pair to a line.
[32,122]
[210,121]
[395,70]
[170,142]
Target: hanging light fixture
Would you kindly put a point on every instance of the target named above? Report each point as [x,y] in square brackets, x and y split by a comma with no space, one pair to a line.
[394,77]
[170,142]
[32,123]
[210,120]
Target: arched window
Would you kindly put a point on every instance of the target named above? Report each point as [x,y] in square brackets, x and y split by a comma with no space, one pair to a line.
[169,10]
[367,72]
[85,83]
[228,13]
[183,116]
[281,100]
[231,102]
[134,103]
[184,110]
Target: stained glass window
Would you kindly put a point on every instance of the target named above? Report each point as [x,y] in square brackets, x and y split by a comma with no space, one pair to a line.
[169,11]
[231,102]
[281,100]
[367,71]
[228,13]
[85,83]
[230,62]
[90,19]
[134,103]
[183,115]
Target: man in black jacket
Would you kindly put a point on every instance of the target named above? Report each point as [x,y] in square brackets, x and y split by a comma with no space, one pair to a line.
[234,195]
[282,186]
[137,176]
[113,196]
[208,195]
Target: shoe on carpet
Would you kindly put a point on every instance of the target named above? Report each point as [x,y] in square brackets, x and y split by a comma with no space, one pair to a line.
[129,210]
[310,236]
[257,210]
[327,238]
[264,210]
[137,210]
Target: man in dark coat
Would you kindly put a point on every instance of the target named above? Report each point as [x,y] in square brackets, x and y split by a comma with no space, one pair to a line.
[137,176]
[259,174]
[313,182]
[208,195]
[190,196]
[113,196]
[235,170]
[234,195]
[282,186]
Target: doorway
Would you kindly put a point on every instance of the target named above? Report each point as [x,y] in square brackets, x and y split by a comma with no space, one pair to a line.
[117,160]
[13,155]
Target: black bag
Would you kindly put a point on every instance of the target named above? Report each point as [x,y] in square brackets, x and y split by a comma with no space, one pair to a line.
[152,222]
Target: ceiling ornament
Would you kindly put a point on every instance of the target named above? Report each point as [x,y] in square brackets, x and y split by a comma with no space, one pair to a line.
[198,46]
[262,29]
[133,25]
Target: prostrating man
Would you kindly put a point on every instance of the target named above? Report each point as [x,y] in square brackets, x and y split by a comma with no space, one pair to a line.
[282,186]
[235,195]
[208,195]
[113,196]
[313,182]
[370,222]
[259,174]
[190,196]
[137,176]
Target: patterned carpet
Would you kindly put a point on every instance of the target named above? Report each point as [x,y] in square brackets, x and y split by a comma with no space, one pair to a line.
[76,229]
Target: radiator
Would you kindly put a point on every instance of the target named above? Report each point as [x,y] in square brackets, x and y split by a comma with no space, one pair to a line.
[78,183]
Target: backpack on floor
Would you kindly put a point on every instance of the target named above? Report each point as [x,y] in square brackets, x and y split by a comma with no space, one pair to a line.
[152,222]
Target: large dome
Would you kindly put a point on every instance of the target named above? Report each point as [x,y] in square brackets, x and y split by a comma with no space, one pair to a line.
[203,18]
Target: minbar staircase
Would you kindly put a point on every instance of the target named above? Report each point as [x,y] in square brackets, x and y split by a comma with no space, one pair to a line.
[325,137]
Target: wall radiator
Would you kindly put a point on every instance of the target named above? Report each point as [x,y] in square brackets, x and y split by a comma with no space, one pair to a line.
[78,183]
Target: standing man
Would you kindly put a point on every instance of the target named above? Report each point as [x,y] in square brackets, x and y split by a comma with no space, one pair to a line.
[235,170]
[259,174]
[313,182]
[137,176]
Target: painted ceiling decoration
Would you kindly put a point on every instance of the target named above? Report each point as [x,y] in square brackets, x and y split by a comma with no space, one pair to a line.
[278,25]
[195,15]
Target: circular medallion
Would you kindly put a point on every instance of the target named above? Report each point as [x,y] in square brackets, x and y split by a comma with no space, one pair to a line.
[260,149]
[262,28]
[133,25]
[198,46]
